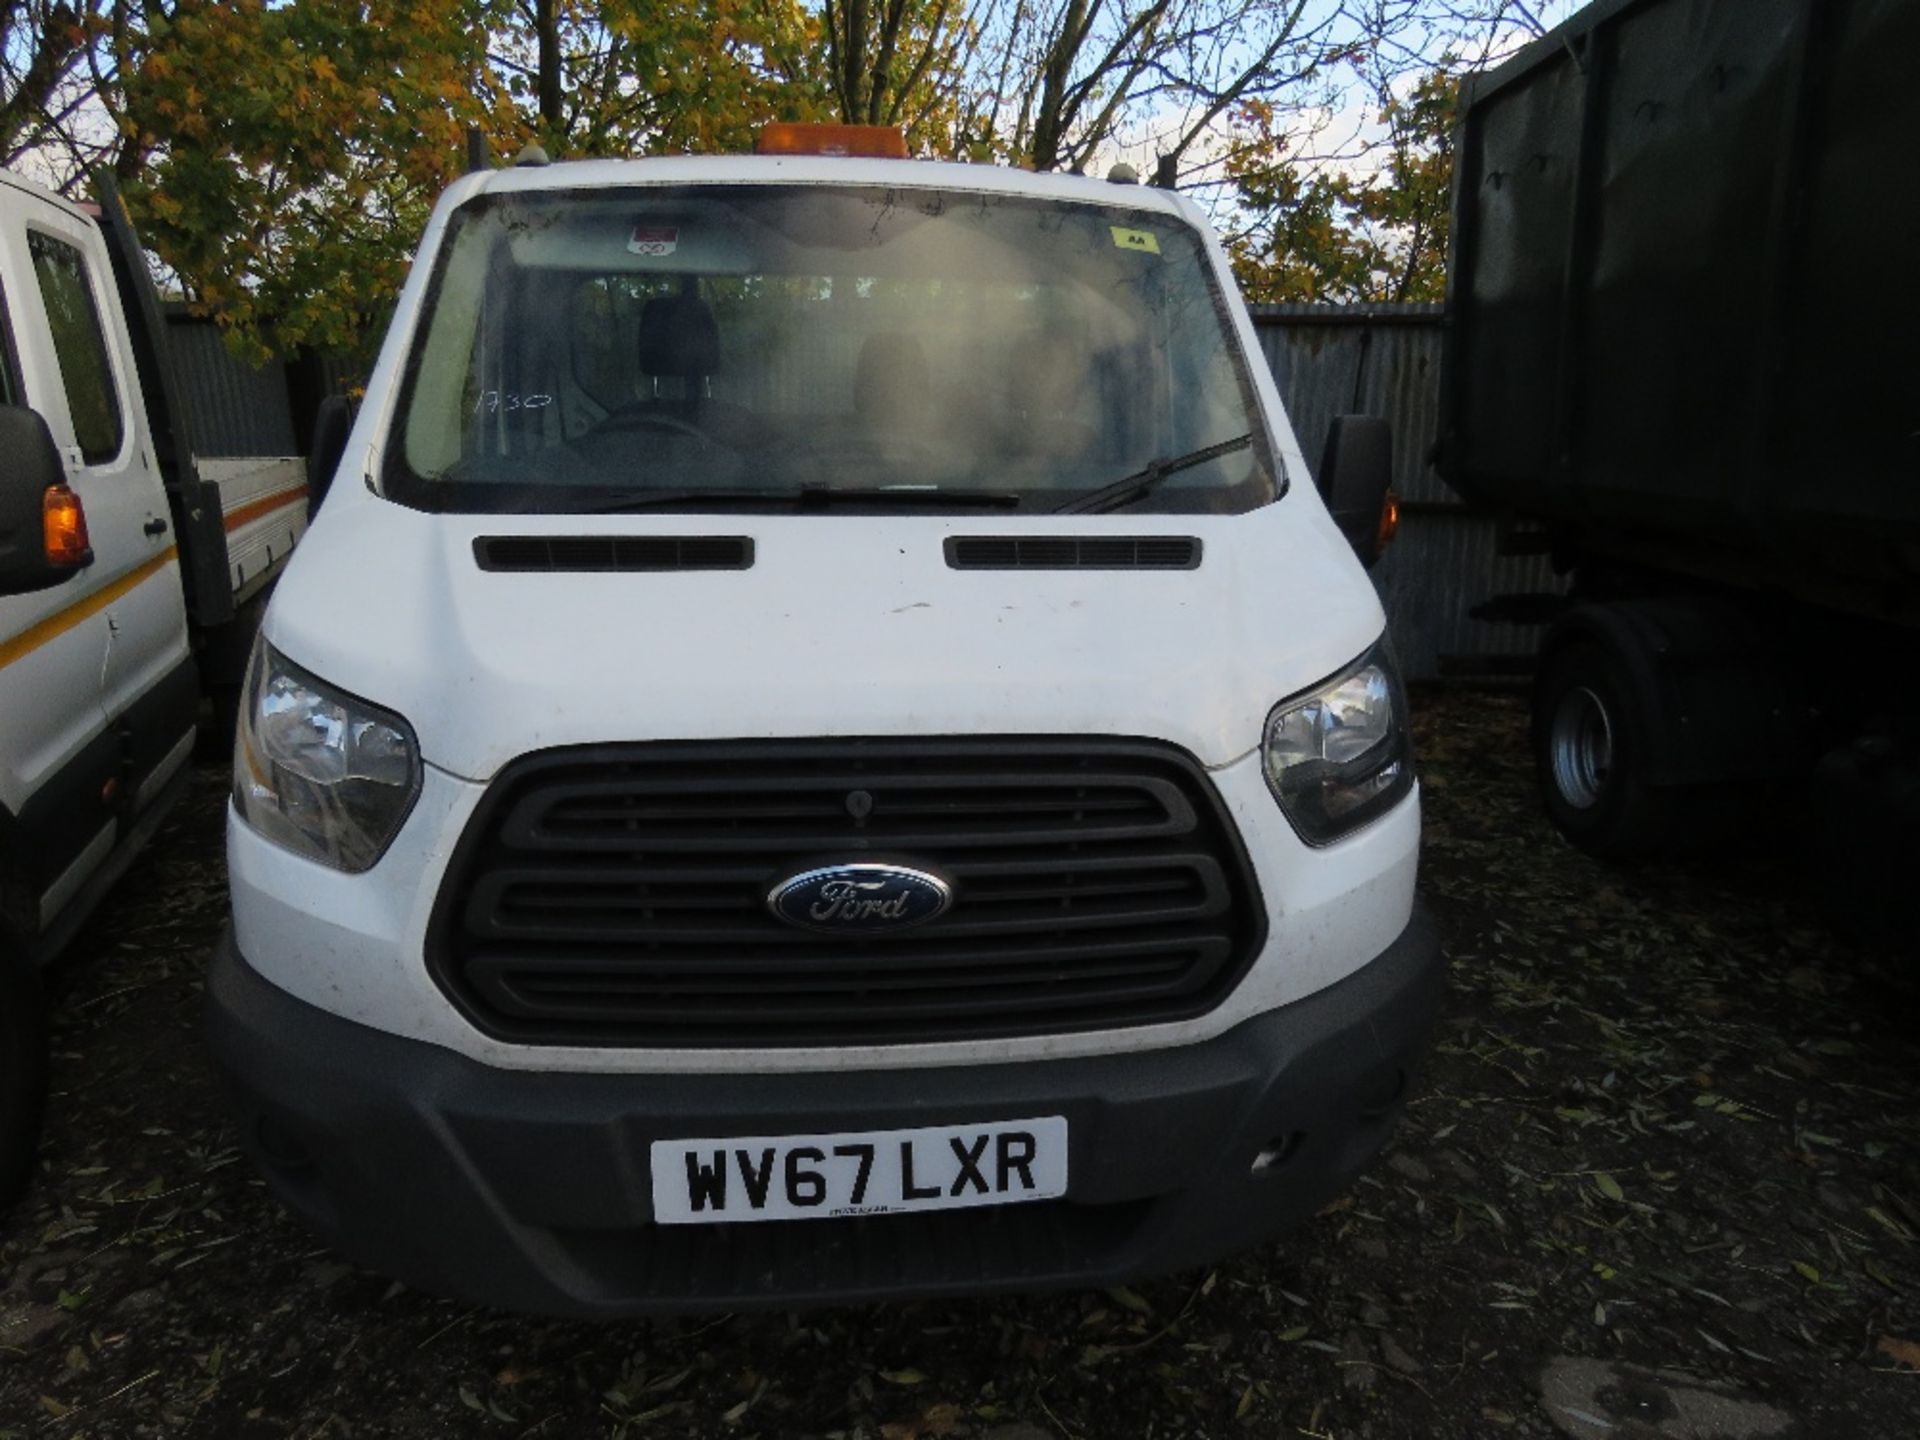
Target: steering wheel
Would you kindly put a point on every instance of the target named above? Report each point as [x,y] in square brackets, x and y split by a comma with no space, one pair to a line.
[647,419]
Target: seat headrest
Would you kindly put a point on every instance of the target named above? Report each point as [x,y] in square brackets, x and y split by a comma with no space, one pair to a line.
[678,337]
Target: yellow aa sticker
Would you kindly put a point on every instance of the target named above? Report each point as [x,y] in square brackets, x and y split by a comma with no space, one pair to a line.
[1145,241]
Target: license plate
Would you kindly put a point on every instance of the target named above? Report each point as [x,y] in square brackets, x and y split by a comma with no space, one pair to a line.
[868,1172]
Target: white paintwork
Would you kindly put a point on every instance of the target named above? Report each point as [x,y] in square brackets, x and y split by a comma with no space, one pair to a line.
[845,625]
[264,503]
[60,694]
[57,697]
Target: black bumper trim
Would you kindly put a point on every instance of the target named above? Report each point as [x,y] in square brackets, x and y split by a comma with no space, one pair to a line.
[530,1190]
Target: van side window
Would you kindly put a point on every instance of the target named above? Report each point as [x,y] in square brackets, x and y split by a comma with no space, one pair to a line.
[9,364]
[80,346]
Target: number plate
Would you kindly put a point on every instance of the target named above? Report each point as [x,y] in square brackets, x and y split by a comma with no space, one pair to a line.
[872,1172]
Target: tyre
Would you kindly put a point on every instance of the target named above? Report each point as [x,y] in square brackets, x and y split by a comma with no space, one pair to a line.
[1592,748]
[23,1071]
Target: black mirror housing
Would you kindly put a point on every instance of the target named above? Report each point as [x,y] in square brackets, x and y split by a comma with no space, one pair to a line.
[1356,471]
[332,425]
[32,468]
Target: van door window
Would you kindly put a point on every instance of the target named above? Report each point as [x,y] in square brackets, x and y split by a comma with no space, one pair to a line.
[80,347]
[9,359]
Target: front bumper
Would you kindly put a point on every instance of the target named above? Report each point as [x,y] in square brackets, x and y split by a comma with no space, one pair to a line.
[531,1190]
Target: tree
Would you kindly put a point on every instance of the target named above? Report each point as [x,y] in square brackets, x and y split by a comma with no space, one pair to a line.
[282,155]
[1366,219]
[1343,234]
[287,154]
[898,62]
[281,158]
[1054,85]
[639,77]
[54,57]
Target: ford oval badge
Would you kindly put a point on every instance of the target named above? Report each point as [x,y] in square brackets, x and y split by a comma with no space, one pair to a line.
[864,900]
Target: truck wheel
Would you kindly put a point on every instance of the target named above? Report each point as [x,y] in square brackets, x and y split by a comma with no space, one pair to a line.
[1591,747]
[23,1071]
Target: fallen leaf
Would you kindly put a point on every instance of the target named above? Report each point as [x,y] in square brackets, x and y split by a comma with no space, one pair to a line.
[1901,1352]
[1132,1299]
[941,1420]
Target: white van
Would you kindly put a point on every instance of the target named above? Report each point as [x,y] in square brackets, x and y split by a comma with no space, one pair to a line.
[822,745]
[129,571]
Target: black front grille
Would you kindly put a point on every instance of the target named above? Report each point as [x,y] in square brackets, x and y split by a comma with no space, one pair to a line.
[618,895]
[1073,552]
[571,553]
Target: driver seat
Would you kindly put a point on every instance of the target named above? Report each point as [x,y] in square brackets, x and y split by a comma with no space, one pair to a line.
[680,344]
[679,340]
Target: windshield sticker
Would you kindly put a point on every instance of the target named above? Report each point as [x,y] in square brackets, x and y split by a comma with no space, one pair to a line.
[653,240]
[1144,241]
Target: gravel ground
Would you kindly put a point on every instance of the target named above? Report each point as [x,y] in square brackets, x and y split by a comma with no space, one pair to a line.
[1661,1178]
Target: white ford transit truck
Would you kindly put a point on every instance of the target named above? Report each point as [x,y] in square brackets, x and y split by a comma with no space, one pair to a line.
[824,743]
[132,573]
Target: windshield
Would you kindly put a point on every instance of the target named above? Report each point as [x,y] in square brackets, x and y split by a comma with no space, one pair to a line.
[686,348]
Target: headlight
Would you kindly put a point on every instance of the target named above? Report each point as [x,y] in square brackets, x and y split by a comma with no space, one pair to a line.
[1338,756]
[317,770]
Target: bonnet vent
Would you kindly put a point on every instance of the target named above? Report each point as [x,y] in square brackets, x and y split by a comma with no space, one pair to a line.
[613,552]
[1068,552]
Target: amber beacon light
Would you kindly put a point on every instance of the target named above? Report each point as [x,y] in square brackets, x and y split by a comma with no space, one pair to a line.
[879,142]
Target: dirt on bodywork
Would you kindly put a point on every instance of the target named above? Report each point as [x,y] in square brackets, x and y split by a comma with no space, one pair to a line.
[1661,1177]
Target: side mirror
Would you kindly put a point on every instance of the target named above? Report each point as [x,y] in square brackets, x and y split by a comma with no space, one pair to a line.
[1356,479]
[332,424]
[43,533]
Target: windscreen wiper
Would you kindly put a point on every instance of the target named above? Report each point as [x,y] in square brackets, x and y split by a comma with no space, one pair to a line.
[603,502]
[805,497]
[1148,478]
[821,496]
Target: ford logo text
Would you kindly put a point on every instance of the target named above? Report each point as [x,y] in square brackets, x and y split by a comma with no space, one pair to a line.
[864,899]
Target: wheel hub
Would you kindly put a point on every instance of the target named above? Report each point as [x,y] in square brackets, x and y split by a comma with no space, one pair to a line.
[1580,748]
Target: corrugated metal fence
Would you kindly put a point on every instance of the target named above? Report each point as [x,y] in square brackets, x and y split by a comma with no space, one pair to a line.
[234,409]
[1326,359]
[1330,360]
[237,409]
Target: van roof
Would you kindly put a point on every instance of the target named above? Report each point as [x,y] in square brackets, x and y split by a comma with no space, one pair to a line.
[819,170]
[42,193]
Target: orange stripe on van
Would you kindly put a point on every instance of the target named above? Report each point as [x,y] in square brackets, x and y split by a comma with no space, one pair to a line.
[82,610]
[254,509]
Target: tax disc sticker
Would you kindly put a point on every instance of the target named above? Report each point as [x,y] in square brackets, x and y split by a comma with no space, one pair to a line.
[1145,241]
[653,240]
